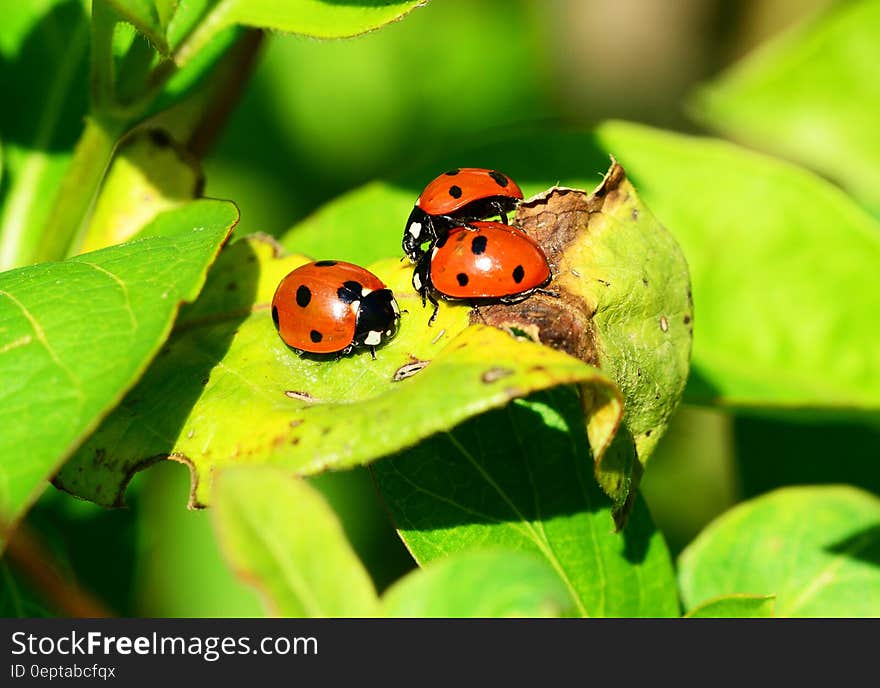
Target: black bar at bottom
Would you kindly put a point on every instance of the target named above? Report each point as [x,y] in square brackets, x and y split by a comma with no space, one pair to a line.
[384,652]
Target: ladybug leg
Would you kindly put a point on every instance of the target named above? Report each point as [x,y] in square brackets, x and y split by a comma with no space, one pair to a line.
[436,308]
[373,352]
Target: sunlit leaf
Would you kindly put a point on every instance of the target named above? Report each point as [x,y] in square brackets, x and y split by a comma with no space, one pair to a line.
[318,18]
[75,335]
[816,548]
[148,175]
[735,607]
[484,584]
[280,535]
[522,478]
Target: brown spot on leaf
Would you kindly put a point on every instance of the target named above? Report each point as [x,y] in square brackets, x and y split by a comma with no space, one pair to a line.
[295,423]
[495,374]
[409,369]
[302,396]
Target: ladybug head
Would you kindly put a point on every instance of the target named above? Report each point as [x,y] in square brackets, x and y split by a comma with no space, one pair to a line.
[377,318]
[419,230]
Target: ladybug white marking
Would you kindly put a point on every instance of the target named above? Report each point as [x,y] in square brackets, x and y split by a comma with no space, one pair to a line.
[374,338]
[417,282]
[355,305]
[415,229]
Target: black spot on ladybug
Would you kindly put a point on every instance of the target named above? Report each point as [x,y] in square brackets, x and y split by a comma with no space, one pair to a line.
[350,291]
[441,242]
[315,336]
[452,173]
[478,245]
[275,316]
[455,191]
[499,178]
[325,263]
[462,279]
[303,296]
[518,274]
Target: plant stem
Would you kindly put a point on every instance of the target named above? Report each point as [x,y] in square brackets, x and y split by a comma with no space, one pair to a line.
[29,556]
[78,190]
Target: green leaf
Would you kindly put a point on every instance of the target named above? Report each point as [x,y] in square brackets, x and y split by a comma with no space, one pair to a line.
[735,607]
[44,51]
[318,18]
[633,291]
[805,96]
[279,534]
[145,16]
[483,584]
[74,336]
[521,478]
[226,389]
[784,271]
[816,548]
[149,175]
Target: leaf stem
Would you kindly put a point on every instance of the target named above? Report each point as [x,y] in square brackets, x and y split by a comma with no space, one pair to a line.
[78,189]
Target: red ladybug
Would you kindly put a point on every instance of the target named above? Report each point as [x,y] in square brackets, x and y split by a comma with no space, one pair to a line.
[455,198]
[484,261]
[331,307]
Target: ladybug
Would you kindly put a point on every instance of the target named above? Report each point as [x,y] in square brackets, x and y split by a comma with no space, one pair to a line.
[331,307]
[486,261]
[455,198]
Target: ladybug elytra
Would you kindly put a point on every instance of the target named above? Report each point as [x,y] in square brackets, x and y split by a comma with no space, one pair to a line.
[331,306]
[484,261]
[455,198]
